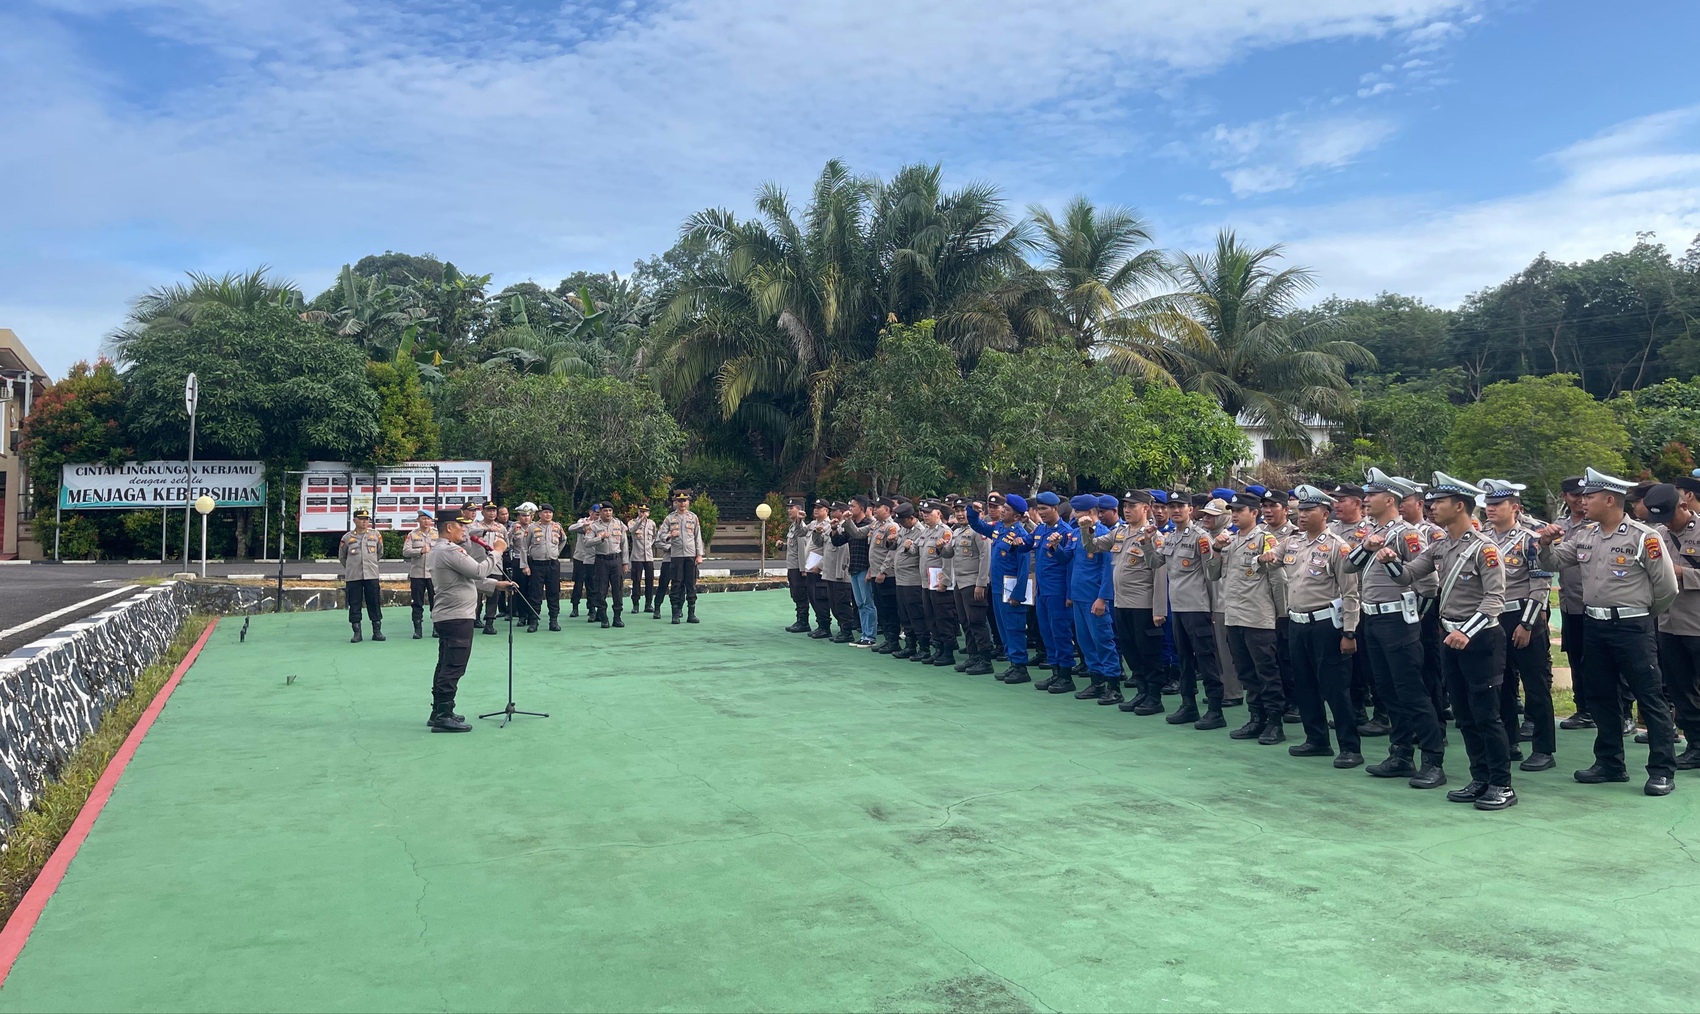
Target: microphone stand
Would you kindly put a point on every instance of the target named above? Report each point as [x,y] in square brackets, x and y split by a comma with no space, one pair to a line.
[510,711]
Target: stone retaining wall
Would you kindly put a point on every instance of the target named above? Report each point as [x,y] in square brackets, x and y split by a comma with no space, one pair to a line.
[54,691]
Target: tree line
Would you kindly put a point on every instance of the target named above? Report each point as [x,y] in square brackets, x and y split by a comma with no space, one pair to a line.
[891,333]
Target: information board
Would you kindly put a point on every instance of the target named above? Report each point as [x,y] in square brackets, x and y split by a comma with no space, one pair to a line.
[332,490]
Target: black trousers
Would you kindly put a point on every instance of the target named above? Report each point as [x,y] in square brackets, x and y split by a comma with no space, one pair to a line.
[545,583]
[1436,683]
[1141,644]
[1195,643]
[1363,684]
[1679,661]
[643,584]
[842,602]
[1321,678]
[1395,652]
[820,599]
[1284,660]
[971,614]
[609,583]
[798,584]
[1254,654]
[939,611]
[684,581]
[663,582]
[454,648]
[885,605]
[583,574]
[424,594]
[1570,641]
[364,592]
[911,619]
[1626,650]
[1473,675]
[1532,667]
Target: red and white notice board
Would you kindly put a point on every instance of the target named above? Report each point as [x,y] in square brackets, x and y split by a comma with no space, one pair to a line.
[331,491]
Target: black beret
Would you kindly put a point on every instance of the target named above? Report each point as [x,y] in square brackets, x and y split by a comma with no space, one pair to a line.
[904,510]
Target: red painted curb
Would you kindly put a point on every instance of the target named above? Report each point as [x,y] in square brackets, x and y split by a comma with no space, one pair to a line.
[18,927]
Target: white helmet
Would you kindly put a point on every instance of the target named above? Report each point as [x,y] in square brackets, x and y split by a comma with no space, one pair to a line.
[528,507]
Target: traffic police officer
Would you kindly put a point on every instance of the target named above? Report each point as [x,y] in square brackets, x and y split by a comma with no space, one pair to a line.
[1472,595]
[1679,627]
[1528,646]
[1627,580]
[359,553]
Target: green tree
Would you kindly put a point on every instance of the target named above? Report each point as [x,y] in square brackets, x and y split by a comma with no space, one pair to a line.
[1536,430]
[1244,348]
[78,420]
[178,305]
[899,417]
[1181,437]
[377,316]
[1657,416]
[1405,425]
[601,430]
[407,425]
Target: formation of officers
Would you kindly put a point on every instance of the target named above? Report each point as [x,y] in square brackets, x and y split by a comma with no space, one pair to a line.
[1387,609]
[474,565]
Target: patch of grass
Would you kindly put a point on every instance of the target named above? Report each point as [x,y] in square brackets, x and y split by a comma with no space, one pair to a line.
[40,830]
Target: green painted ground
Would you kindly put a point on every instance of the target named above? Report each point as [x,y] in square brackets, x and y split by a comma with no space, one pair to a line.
[728,817]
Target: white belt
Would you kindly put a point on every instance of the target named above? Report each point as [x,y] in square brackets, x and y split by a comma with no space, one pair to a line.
[1378,608]
[1513,606]
[1616,612]
[1451,625]
[1320,614]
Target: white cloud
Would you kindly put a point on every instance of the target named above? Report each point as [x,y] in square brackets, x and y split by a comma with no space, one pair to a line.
[300,131]
[1278,153]
[1642,175]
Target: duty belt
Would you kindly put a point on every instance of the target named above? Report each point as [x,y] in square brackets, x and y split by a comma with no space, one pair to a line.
[1512,606]
[1378,608]
[1312,617]
[1616,612]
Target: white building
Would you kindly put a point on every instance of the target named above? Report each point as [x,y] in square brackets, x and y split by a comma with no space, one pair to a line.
[1264,446]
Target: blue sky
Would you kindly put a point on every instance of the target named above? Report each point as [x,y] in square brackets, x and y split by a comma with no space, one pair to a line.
[1425,146]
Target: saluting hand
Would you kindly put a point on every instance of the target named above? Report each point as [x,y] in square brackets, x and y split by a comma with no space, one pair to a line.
[1386,555]
[1548,533]
[1376,541]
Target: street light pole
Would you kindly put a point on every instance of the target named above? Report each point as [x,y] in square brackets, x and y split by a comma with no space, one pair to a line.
[204,504]
[763,512]
[191,398]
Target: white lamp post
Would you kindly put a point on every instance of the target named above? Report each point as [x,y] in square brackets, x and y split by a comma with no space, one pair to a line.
[763,511]
[191,401]
[205,505]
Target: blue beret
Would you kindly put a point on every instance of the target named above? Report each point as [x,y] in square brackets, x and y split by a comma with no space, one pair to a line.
[1222,493]
[1161,496]
[1048,499]
[1017,503]
[1083,502]
[1256,490]
[1106,502]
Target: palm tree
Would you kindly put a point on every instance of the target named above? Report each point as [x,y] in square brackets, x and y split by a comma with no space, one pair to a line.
[177,305]
[1242,348]
[382,318]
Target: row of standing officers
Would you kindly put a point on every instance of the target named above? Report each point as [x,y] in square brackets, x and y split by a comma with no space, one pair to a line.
[1306,601]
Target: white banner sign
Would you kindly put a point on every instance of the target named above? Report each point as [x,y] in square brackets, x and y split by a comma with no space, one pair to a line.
[160,484]
[332,491]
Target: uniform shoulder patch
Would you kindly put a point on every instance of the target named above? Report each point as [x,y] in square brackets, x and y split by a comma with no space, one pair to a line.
[1490,557]
[1655,548]
[1413,542]
[1203,544]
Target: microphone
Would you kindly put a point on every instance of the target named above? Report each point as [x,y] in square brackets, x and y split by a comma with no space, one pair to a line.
[475,540]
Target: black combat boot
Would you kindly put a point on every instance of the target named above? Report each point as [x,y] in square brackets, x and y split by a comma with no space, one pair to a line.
[418,629]
[819,633]
[923,651]
[887,646]
[604,621]
[964,662]
[554,624]
[1153,703]
[1253,727]
[1112,691]
[903,649]
[531,628]
[1687,760]
[691,614]
[1094,688]
[1397,765]
[1378,725]
[801,626]
[842,637]
[1212,717]
[1273,732]
[1187,712]
[489,624]
[1062,680]
[978,665]
[946,654]
[378,630]
[358,637]
[635,607]
[617,621]
[444,719]
[678,611]
[1016,674]
[574,612]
